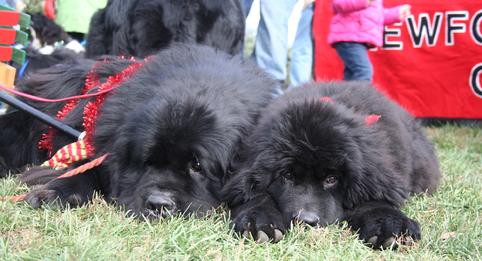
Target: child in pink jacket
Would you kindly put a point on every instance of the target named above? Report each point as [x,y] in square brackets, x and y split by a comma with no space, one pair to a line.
[356,26]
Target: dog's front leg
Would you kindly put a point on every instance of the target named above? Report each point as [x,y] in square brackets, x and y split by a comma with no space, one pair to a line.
[260,218]
[73,191]
[381,225]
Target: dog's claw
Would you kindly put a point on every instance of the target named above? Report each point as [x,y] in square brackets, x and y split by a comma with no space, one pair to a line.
[372,241]
[408,241]
[262,237]
[278,235]
[389,243]
[34,202]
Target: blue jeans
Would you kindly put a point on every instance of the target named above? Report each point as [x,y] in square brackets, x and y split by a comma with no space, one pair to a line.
[247,6]
[302,50]
[357,63]
[271,46]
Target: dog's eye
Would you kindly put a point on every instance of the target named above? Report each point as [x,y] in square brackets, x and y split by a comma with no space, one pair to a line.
[330,182]
[195,166]
[287,175]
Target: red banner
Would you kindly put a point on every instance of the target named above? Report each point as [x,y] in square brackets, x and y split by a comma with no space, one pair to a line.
[431,64]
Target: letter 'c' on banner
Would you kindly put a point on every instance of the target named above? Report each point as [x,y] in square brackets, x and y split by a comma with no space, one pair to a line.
[475,82]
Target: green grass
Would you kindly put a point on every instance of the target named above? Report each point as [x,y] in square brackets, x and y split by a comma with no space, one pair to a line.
[450,220]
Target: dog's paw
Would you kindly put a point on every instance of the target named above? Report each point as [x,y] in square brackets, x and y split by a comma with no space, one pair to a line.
[387,228]
[262,224]
[44,195]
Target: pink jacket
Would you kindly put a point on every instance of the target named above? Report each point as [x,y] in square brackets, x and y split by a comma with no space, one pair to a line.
[358,21]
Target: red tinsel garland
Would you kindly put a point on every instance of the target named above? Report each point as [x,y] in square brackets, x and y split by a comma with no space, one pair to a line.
[91,110]
[91,81]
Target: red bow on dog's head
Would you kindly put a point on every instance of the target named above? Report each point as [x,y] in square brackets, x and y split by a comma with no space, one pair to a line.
[372,119]
[369,120]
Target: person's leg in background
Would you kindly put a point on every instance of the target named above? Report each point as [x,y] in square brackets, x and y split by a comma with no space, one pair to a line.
[247,6]
[271,47]
[357,63]
[301,68]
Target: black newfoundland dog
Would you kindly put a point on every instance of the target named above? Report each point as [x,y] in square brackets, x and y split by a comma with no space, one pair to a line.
[332,152]
[141,28]
[171,130]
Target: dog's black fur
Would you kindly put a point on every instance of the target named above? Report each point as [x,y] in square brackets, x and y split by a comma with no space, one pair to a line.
[318,162]
[171,130]
[141,28]
[37,61]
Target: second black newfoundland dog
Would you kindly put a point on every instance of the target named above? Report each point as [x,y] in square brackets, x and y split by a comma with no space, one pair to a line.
[141,28]
[171,131]
[333,152]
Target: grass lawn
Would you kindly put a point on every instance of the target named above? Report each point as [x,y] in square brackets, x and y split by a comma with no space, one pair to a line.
[450,220]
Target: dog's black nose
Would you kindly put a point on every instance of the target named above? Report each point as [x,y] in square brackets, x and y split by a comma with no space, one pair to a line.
[160,204]
[307,217]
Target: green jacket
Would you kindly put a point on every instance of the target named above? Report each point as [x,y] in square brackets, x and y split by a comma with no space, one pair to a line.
[74,15]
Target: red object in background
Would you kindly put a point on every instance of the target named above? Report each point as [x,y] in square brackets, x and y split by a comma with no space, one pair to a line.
[432,63]
[9,18]
[6,53]
[49,9]
[7,36]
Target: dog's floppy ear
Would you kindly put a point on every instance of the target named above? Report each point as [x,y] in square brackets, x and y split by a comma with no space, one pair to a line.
[239,188]
[245,185]
[251,177]
[17,143]
[369,180]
